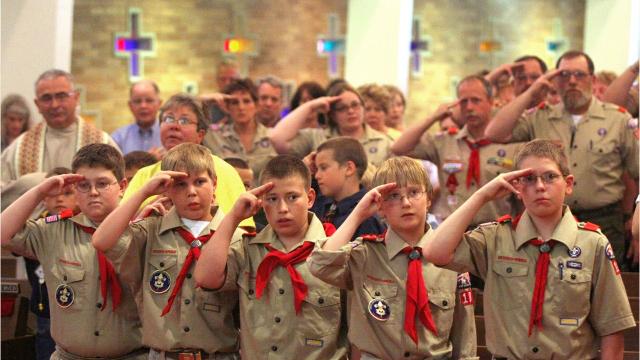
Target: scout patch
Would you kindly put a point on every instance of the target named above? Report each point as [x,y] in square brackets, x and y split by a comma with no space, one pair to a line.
[57,217]
[500,161]
[452,167]
[379,309]
[602,131]
[464,288]
[160,282]
[575,252]
[313,342]
[568,321]
[608,251]
[574,264]
[64,295]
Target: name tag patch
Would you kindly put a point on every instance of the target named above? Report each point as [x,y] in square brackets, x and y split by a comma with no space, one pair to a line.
[568,321]
[211,307]
[313,342]
[574,264]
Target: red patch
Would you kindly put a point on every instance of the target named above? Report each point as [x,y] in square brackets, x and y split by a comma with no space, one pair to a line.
[589,226]
[375,279]
[369,237]
[452,130]
[622,109]
[504,219]
[542,106]
[467,297]
[329,228]
[514,259]
[616,268]
[250,234]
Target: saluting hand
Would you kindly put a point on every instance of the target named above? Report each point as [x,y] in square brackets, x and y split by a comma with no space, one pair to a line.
[543,84]
[371,201]
[250,202]
[322,104]
[445,110]
[502,185]
[55,185]
[161,206]
[161,182]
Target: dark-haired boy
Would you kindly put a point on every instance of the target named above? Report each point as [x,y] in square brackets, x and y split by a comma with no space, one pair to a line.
[285,312]
[552,285]
[135,161]
[157,254]
[340,164]
[92,314]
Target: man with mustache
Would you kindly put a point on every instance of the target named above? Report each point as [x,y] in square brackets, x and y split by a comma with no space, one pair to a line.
[597,137]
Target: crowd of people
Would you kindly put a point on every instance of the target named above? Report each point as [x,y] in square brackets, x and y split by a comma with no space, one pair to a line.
[228,225]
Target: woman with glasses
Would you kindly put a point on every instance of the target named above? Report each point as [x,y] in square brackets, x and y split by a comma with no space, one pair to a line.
[346,118]
[244,137]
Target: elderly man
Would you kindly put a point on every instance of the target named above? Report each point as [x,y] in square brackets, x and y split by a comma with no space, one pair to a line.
[51,143]
[270,92]
[144,134]
[465,159]
[597,137]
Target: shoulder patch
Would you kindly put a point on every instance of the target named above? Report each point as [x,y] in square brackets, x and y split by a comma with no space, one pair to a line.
[250,234]
[542,105]
[504,218]
[622,110]
[452,130]
[589,226]
[65,214]
[372,237]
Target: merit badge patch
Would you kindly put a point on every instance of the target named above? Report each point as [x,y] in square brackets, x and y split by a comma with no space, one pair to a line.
[465,291]
[574,264]
[160,282]
[575,252]
[502,153]
[64,295]
[379,309]
[452,167]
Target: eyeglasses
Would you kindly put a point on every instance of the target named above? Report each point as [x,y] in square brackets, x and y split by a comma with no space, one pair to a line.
[565,75]
[396,198]
[47,99]
[547,178]
[183,121]
[100,185]
[344,108]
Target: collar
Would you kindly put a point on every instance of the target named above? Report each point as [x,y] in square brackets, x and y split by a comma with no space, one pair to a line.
[172,220]
[314,233]
[369,133]
[595,111]
[394,243]
[82,220]
[69,129]
[345,204]
[463,133]
[150,130]
[565,232]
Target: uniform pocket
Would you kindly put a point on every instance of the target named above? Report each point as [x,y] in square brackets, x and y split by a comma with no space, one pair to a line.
[389,308]
[576,286]
[321,311]
[70,290]
[510,286]
[442,305]
[163,274]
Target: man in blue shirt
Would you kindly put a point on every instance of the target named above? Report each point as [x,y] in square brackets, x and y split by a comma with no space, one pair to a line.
[144,134]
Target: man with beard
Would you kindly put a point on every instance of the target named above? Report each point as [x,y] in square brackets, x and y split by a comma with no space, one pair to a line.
[597,137]
[466,160]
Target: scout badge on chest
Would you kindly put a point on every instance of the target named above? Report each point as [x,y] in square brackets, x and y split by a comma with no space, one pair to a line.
[379,309]
[64,295]
[160,282]
[452,168]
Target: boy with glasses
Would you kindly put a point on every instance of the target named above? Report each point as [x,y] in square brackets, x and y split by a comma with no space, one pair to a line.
[400,305]
[92,314]
[552,285]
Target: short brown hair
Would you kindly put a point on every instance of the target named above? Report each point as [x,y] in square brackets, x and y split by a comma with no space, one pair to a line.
[403,171]
[546,149]
[394,90]
[571,54]
[337,90]
[99,155]
[183,99]
[244,85]
[347,149]
[284,166]
[378,94]
[138,159]
[60,170]
[190,158]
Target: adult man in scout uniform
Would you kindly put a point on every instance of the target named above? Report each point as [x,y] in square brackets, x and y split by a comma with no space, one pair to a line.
[53,142]
[597,137]
[465,159]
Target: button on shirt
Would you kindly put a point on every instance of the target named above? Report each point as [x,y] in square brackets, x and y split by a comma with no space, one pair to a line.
[134,138]
[584,296]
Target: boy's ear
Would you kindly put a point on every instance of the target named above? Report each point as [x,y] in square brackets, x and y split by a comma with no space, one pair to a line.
[123,186]
[351,168]
[201,134]
[311,195]
[569,182]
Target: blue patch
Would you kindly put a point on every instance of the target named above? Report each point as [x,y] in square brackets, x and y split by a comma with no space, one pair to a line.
[160,282]
[575,252]
[608,251]
[464,281]
[502,153]
[64,295]
[379,309]
[574,264]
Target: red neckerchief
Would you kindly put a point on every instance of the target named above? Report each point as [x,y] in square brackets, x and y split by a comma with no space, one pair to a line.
[473,172]
[108,276]
[542,269]
[194,254]
[278,258]
[417,296]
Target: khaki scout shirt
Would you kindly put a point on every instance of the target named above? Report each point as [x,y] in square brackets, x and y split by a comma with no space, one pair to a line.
[450,152]
[68,258]
[269,326]
[376,144]
[603,147]
[198,319]
[585,300]
[378,270]
[226,143]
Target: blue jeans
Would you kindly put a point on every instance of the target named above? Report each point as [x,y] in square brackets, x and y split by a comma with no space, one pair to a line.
[45,346]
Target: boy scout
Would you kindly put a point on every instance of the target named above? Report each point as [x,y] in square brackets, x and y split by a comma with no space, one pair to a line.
[401,306]
[155,257]
[552,284]
[285,312]
[465,159]
[346,113]
[92,315]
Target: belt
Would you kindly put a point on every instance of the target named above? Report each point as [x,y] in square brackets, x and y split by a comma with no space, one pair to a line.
[611,209]
[63,354]
[195,354]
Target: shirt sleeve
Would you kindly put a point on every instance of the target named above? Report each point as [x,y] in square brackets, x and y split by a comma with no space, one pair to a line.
[229,188]
[30,241]
[630,149]
[334,266]
[523,131]
[236,259]
[302,144]
[463,330]
[471,253]
[426,148]
[128,255]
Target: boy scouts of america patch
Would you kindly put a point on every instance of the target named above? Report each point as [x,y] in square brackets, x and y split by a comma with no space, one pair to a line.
[160,282]
[464,289]
[575,252]
[64,295]
[379,309]
[608,251]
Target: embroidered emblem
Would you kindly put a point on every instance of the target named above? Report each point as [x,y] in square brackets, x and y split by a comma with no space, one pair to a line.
[160,282]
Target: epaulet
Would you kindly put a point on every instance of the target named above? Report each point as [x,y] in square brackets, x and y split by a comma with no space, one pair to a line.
[589,226]
[504,218]
[542,105]
[452,130]
[64,214]
[250,234]
[372,237]
[622,110]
